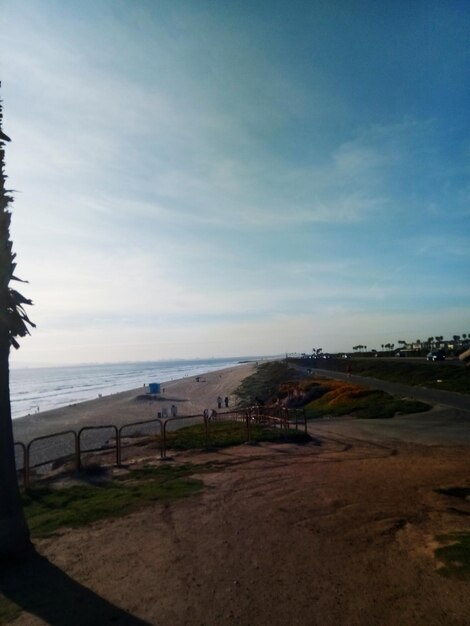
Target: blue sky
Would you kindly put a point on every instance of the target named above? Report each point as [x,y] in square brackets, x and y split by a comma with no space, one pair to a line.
[220,178]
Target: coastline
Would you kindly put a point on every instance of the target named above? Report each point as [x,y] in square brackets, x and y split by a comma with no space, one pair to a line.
[189,396]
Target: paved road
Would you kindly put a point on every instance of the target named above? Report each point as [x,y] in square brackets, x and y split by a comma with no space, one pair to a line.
[448,423]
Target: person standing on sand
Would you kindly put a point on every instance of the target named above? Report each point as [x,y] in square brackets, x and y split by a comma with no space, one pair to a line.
[174,410]
[205,414]
[226,402]
[219,402]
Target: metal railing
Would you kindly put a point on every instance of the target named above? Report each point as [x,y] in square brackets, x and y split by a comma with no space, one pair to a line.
[89,428]
[27,464]
[277,418]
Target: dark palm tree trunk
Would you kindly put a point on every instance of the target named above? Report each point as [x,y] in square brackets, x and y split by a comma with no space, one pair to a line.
[14,534]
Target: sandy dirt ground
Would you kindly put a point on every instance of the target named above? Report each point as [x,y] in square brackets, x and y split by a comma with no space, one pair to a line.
[337,532]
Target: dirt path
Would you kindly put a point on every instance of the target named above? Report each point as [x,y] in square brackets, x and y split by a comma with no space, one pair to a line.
[333,534]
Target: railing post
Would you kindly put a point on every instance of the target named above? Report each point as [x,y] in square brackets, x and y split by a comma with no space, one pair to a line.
[118,453]
[79,451]
[206,429]
[161,437]
[248,424]
[118,447]
[164,439]
[25,465]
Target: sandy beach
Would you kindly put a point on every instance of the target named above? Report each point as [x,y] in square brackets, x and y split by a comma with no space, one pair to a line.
[189,396]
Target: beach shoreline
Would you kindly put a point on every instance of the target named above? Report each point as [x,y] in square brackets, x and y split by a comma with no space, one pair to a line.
[189,397]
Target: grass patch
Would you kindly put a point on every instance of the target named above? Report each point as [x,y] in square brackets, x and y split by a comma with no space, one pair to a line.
[344,398]
[8,610]
[223,434]
[456,556]
[48,509]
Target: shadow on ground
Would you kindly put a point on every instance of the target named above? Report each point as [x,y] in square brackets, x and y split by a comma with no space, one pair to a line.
[42,589]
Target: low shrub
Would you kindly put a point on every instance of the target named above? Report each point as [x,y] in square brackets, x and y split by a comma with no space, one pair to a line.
[224,434]
[343,398]
[455,556]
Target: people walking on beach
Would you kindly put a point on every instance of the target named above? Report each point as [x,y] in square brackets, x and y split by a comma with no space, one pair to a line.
[226,402]
[174,410]
[205,414]
[213,414]
[219,402]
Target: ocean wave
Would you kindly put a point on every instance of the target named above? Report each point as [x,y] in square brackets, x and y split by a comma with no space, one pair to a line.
[54,387]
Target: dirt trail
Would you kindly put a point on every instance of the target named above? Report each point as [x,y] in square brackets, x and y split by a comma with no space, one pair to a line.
[331,534]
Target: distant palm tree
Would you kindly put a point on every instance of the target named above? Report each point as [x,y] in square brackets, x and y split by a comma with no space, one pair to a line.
[14,534]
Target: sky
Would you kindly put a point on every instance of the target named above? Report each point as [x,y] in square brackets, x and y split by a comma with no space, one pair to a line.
[205,178]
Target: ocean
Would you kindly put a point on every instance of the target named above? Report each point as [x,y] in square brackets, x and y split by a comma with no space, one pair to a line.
[37,389]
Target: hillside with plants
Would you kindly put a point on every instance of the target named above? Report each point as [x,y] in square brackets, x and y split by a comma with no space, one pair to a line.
[281,385]
[438,375]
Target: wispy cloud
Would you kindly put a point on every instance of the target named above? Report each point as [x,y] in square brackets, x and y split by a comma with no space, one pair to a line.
[178,166]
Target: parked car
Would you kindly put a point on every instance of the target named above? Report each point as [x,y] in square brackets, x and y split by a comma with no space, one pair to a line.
[436,355]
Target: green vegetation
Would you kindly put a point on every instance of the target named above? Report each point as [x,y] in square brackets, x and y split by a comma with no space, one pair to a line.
[453,377]
[48,508]
[223,434]
[279,381]
[264,384]
[456,556]
[8,610]
[341,398]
